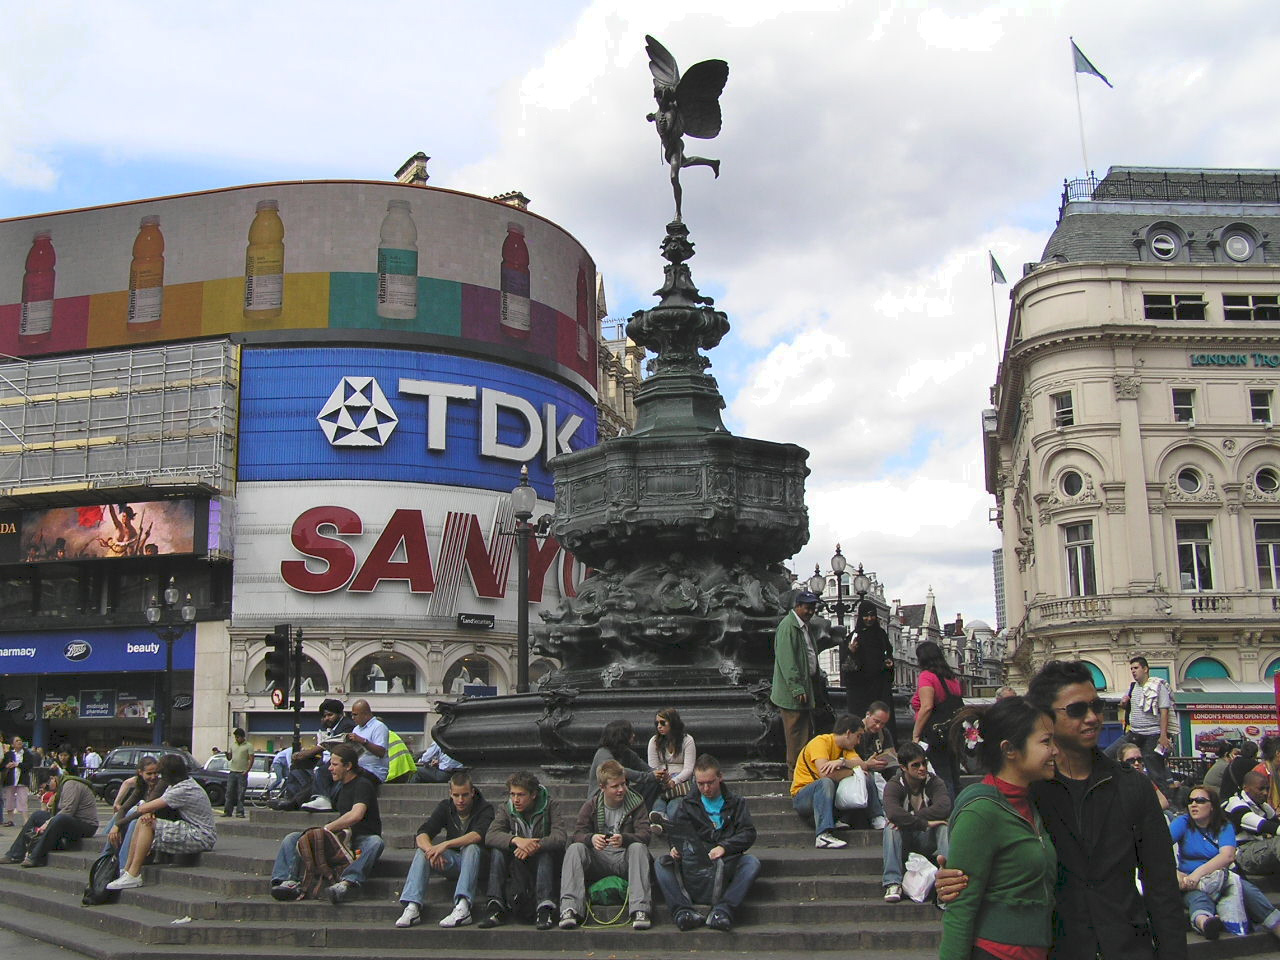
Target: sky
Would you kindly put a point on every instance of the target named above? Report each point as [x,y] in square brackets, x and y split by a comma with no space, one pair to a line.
[872,153]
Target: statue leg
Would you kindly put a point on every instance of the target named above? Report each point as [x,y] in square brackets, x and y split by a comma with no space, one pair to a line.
[703,162]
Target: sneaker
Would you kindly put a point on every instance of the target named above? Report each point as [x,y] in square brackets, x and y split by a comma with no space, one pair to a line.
[893,893]
[461,915]
[126,881]
[342,891]
[688,920]
[659,822]
[318,805]
[640,920]
[546,917]
[569,920]
[879,823]
[494,916]
[828,841]
[1212,928]
[28,862]
[287,891]
[720,920]
[412,914]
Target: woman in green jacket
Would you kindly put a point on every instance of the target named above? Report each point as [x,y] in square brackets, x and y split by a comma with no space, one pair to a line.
[998,840]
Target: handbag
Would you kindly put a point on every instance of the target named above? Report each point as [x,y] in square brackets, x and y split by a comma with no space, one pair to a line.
[944,712]
[674,791]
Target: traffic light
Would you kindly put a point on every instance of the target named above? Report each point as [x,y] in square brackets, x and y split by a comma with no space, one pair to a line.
[279,653]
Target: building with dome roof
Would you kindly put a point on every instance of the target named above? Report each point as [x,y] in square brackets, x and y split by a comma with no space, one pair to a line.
[1131,446]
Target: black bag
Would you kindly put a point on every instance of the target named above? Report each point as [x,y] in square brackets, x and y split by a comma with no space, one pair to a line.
[944,712]
[105,869]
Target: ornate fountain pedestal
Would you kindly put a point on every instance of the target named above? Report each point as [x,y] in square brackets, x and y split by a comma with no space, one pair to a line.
[686,527]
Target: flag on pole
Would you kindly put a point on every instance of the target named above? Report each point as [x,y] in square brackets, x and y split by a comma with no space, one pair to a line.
[1084,66]
[997,275]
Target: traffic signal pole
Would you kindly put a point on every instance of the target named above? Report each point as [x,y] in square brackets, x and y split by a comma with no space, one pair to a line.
[297,690]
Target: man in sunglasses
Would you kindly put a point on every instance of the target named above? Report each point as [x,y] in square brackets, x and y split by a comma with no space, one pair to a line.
[1105,824]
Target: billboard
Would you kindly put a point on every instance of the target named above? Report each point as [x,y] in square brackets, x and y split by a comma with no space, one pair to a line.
[299,256]
[338,413]
[102,531]
[398,552]
[1211,724]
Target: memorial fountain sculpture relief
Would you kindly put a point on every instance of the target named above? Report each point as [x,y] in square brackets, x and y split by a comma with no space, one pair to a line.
[684,525]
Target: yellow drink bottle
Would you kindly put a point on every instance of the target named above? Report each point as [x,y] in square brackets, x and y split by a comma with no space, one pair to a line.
[264,264]
[146,276]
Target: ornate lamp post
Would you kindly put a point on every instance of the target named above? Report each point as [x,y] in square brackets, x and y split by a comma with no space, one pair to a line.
[523,499]
[169,622]
[861,582]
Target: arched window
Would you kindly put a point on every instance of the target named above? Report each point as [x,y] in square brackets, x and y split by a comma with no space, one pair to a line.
[1099,680]
[1272,670]
[384,672]
[1206,668]
[471,670]
[313,678]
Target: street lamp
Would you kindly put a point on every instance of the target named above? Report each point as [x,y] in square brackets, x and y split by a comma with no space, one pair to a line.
[523,500]
[169,622]
[838,564]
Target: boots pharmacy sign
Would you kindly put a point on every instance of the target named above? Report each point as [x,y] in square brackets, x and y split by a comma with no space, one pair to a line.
[380,414]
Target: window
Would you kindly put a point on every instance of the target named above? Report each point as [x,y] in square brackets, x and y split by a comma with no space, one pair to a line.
[1267,480]
[1260,406]
[1072,484]
[1195,569]
[1266,534]
[1188,480]
[1165,246]
[1184,406]
[1166,306]
[1063,411]
[1244,307]
[1080,575]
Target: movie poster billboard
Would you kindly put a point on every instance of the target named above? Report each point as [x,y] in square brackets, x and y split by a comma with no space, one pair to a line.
[147,528]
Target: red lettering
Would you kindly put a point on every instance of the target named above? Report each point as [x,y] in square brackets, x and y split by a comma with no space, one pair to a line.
[541,557]
[478,560]
[337,555]
[405,526]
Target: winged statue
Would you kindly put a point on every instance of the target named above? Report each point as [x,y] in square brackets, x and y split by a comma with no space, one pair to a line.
[688,105]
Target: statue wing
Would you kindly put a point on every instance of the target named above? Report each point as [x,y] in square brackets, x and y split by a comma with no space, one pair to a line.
[698,98]
[661,63]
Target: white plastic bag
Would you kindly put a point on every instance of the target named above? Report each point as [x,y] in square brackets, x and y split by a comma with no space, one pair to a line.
[851,792]
[919,877]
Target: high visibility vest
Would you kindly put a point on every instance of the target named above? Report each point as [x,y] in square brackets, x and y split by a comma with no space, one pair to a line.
[399,757]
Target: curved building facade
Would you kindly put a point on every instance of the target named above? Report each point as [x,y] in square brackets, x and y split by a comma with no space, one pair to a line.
[309,403]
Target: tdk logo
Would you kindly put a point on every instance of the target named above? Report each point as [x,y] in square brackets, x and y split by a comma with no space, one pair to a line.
[77,650]
[357,414]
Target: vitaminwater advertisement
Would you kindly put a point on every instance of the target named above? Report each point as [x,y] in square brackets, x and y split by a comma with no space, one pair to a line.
[300,256]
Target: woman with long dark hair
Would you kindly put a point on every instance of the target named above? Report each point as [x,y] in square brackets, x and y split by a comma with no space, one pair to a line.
[671,756]
[193,832]
[617,742]
[999,841]
[938,695]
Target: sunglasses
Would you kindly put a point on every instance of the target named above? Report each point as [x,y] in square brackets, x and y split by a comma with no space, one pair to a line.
[1191,800]
[1077,710]
[1133,762]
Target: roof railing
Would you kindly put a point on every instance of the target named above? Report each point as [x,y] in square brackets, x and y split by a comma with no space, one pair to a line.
[1201,188]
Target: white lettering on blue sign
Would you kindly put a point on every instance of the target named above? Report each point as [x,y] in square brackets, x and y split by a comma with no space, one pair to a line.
[17,651]
[142,648]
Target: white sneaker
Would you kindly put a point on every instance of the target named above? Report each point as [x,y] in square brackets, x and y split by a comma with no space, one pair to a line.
[893,893]
[461,915]
[412,914]
[828,841]
[318,805]
[879,823]
[126,881]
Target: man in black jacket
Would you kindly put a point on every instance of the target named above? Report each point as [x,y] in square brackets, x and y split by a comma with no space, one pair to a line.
[464,817]
[1105,824]
[710,835]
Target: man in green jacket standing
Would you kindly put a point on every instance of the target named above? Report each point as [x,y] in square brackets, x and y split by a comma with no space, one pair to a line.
[795,661]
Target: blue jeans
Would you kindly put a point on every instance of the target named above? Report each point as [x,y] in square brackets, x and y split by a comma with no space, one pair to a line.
[288,866]
[1256,905]
[462,865]
[237,785]
[739,873]
[667,807]
[819,800]
[898,843]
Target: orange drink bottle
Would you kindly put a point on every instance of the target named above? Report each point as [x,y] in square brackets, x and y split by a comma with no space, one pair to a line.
[146,276]
[264,264]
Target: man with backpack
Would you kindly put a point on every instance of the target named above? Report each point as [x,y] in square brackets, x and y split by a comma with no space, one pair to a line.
[610,839]
[357,807]
[710,835]
[525,841]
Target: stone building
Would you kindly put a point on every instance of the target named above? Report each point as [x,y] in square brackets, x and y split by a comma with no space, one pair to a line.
[1131,449]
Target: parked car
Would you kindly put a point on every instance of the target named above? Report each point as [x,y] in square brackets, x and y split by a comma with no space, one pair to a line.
[259,773]
[122,763]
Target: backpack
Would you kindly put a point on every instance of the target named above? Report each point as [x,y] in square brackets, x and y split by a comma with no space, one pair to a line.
[606,893]
[105,869]
[324,856]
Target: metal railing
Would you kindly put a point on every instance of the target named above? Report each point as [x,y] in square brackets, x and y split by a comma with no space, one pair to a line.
[1185,188]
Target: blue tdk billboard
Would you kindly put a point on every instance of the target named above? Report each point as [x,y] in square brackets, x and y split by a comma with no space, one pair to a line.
[401,415]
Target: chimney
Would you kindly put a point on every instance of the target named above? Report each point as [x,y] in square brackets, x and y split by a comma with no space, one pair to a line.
[414,170]
[959,624]
[513,198]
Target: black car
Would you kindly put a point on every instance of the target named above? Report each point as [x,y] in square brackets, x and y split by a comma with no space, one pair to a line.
[122,763]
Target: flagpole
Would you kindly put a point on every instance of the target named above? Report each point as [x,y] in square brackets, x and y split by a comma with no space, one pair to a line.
[995,323]
[1075,77]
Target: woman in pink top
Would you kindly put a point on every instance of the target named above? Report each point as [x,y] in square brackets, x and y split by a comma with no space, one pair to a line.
[937,685]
